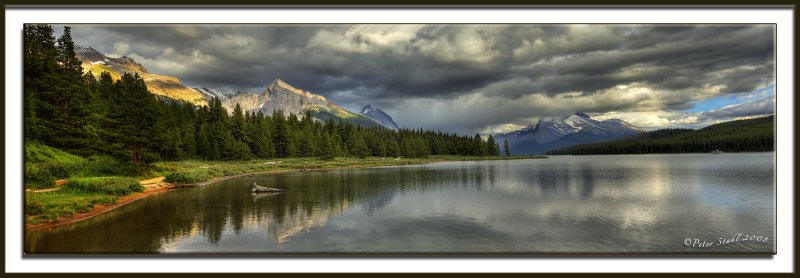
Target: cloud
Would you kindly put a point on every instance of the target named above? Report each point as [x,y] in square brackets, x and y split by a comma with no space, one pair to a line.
[121,49]
[758,107]
[466,77]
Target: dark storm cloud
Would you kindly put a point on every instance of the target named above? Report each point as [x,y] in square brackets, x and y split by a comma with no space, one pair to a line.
[447,65]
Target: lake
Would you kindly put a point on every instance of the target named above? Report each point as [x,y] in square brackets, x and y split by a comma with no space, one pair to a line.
[662,203]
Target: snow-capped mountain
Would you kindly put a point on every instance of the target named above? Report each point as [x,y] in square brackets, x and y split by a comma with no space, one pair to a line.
[279,95]
[379,116]
[549,133]
[167,86]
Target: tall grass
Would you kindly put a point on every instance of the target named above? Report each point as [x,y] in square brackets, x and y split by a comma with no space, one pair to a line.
[44,165]
[118,186]
[49,206]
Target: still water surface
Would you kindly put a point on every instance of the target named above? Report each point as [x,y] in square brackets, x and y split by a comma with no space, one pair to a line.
[585,204]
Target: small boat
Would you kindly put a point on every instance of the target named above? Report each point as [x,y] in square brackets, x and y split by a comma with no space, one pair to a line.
[717,152]
[255,188]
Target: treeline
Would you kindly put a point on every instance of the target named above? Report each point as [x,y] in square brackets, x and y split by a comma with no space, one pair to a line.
[751,135]
[88,115]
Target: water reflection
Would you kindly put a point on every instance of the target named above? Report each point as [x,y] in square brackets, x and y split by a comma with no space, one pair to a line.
[561,204]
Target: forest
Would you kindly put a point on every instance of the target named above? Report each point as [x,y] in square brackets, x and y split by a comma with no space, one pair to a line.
[86,115]
[748,135]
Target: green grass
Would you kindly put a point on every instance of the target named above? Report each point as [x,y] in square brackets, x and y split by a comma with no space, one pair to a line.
[193,171]
[99,68]
[118,186]
[50,206]
[44,165]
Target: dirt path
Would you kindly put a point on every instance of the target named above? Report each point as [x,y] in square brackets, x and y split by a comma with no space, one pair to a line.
[147,183]
[42,190]
[152,181]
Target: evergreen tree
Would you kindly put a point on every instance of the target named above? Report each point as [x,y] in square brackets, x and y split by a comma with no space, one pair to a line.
[359,146]
[136,116]
[505,146]
[280,137]
[479,147]
[491,146]
[238,125]
[326,146]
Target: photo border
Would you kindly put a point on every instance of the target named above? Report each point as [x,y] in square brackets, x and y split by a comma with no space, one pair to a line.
[471,7]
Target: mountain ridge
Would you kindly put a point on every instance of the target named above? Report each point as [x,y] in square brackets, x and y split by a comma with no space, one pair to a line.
[550,133]
[744,135]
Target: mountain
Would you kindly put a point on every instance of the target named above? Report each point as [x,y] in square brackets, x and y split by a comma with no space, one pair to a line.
[279,95]
[95,62]
[550,134]
[379,116]
[749,135]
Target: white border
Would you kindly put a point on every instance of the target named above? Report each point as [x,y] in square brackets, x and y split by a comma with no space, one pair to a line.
[783,262]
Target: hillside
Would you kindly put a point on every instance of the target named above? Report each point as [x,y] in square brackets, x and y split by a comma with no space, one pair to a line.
[95,62]
[750,135]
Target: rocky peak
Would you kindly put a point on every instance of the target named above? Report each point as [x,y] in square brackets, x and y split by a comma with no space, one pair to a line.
[130,63]
[379,116]
[368,108]
[279,86]
[88,54]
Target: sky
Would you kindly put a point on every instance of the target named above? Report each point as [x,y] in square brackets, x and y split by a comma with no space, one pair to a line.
[480,78]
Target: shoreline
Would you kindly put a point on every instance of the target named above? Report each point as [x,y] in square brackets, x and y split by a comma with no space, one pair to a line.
[162,187]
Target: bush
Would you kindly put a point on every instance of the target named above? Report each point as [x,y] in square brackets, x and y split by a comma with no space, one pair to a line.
[107,185]
[44,165]
[34,206]
[184,177]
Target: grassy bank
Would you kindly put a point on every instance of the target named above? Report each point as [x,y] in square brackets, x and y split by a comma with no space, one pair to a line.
[192,171]
[81,193]
[44,165]
[77,195]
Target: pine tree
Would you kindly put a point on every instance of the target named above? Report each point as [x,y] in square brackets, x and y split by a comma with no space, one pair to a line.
[280,137]
[359,146]
[136,116]
[326,146]
[238,124]
[505,146]
[491,146]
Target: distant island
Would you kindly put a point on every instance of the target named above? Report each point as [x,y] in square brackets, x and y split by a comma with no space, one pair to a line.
[750,135]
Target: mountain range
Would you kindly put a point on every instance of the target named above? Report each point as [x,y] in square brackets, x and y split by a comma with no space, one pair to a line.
[278,95]
[547,134]
[550,134]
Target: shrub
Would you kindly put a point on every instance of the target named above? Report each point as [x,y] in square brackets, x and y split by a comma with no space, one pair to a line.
[44,165]
[184,177]
[107,185]
[33,206]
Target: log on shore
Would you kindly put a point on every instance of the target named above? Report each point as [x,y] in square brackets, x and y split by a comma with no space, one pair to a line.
[255,188]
